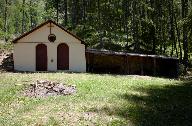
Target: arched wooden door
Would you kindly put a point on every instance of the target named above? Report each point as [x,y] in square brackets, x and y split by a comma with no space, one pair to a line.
[41,57]
[62,57]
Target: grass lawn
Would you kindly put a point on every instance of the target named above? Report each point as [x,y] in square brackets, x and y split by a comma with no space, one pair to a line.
[100,100]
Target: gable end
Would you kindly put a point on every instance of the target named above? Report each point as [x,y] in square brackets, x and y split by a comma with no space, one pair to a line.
[41,25]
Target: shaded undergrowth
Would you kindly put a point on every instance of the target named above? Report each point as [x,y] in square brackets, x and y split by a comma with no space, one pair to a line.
[158,106]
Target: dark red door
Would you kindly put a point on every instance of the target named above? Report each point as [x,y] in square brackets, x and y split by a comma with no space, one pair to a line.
[41,57]
[63,57]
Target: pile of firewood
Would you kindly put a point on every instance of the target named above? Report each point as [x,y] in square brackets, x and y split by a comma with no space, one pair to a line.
[49,88]
[6,61]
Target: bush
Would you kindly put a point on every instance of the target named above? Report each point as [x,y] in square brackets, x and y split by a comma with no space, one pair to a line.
[6,46]
[181,69]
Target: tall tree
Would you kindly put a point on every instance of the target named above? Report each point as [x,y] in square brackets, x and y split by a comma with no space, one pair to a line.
[57,8]
[66,12]
[23,16]
[185,38]
[5,21]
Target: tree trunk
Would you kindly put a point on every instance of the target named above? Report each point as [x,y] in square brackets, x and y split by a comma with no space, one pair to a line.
[66,15]
[179,40]
[57,8]
[99,22]
[5,21]
[185,38]
[23,16]
[172,28]
[31,14]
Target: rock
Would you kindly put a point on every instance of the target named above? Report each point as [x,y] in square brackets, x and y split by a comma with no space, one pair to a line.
[61,86]
[49,88]
[56,89]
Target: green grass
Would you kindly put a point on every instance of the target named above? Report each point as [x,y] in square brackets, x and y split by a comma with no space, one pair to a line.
[100,100]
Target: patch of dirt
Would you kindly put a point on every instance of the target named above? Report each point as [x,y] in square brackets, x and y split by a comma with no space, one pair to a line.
[49,88]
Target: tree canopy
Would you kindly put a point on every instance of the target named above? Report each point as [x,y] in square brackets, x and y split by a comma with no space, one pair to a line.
[162,27]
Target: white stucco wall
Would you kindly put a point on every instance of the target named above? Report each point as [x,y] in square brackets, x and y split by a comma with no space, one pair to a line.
[24,57]
[25,50]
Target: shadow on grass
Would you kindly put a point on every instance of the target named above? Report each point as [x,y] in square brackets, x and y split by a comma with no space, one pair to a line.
[159,106]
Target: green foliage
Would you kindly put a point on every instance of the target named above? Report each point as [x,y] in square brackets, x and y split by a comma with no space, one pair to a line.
[6,46]
[181,69]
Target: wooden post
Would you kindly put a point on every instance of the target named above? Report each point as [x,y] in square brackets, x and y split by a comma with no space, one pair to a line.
[87,57]
[154,67]
[92,63]
[127,64]
[141,65]
[124,65]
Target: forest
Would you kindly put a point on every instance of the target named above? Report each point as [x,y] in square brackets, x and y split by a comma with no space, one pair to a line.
[160,27]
